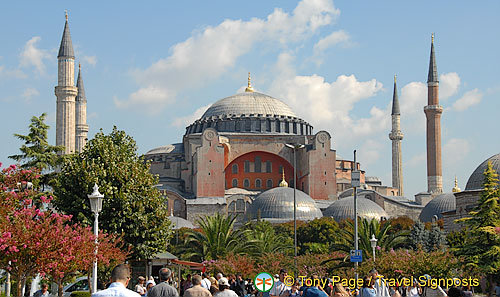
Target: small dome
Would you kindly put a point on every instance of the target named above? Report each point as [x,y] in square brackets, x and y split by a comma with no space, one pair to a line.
[435,207]
[344,209]
[249,103]
[475,181]
[276,206]
[176,148]
[178,222]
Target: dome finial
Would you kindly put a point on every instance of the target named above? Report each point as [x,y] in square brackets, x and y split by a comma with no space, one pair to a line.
[249,87]
[283,182]
[456,189]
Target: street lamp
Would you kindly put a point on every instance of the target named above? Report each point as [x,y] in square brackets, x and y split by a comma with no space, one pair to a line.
[373,242]
[295,147]
[96,206]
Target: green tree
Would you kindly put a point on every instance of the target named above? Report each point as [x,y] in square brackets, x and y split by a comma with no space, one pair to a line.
[132,205]
[418,236]
[482,243]
[215,239]
[36,152]
[317,236]
[385,239]
[263,239]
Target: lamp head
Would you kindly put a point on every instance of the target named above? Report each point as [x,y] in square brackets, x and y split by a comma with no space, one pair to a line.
[96,200]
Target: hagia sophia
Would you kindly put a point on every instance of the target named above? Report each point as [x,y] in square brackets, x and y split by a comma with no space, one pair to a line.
[238,159]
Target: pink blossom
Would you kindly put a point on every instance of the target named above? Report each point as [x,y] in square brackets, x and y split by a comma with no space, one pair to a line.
[13,248]
[7,235]
[378,248]
[497,230]
[12,166]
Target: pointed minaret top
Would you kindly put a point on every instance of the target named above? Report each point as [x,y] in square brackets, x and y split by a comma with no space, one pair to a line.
[79,84]
[395,100]
[249,87]
[433,74]
[283,182]
[456,189]
[66,48]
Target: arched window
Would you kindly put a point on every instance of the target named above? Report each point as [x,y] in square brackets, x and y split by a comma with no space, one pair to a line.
[177,208]
[235,183]
[258,183]
[269,183]
[258,164]
[246,183]
[235,169]
[247,166]
[269,167]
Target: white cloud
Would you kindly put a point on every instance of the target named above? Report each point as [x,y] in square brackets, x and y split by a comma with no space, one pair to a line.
[417,160]
[30,93]
[448,84]
[182,122]
[33,56]
[208,54]
[331,40]
[152,99]
[370,152]
[90,60]
[469,99]
[14,73]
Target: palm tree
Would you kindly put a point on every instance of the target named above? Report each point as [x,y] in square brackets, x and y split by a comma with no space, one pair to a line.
[263,239]
[385,239]
[215,239]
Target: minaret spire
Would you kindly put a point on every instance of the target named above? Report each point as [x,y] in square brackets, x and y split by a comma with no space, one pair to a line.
[396,136]
[433,113]
[66,93]
[81,126]
[249,87]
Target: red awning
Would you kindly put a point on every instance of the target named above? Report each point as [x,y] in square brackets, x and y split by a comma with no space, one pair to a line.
[192,265]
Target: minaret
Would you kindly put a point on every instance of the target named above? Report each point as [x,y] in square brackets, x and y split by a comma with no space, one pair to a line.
[433,113]
[396,136]
[82,129]
[66,93]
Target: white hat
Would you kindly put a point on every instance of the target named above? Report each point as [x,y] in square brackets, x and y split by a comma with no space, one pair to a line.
[223,282]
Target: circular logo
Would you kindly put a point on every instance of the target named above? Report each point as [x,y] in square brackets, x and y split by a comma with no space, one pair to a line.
[264,282]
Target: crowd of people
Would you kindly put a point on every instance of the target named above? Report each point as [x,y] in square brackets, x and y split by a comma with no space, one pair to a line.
[204,285]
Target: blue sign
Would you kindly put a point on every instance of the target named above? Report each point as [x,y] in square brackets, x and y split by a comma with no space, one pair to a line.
[356,255]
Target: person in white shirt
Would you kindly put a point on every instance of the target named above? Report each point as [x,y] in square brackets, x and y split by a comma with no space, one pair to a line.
[380,286]
[205,282]
[224,290]
[120,276]
[280,289]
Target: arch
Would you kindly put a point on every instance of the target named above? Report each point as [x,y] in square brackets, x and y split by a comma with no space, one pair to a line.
[270,165]
[234,183]
[234,169]
[258,183]
[269,184]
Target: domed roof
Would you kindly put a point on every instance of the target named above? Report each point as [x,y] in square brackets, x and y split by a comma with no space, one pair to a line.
[344,209]
[178,222]
[443,202]
[249,103]
[176,148]
[276,206]
[475,181]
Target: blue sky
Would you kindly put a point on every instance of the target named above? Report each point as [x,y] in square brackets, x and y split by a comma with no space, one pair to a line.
[152,68]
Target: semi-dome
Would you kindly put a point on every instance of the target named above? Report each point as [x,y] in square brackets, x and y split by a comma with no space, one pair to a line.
[276,206]
[475,181]
[178,222]
[344,209]
[441,203]
[248,103]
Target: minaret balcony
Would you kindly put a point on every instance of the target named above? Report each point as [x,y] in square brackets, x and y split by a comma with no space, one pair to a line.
[433,109]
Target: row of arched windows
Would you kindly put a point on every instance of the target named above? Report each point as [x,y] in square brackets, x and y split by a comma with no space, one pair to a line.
[257,166]
[258,183]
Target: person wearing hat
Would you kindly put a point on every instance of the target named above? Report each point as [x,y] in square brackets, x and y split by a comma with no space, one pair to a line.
[280,289]
[140,288]
[224,290]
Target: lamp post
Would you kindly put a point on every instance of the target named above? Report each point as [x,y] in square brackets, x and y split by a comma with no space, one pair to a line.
[295,147]
[373,242]
[96,206]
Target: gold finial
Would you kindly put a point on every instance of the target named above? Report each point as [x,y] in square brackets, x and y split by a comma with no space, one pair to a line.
[432,38]
[283,182]
[456,189]
[79,66]
[66,13]
[395,78]
[249,88]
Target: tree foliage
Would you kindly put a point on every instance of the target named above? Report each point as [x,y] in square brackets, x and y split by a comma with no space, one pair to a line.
[481,248]
[428,240]
[263,239]
[132,206]
[215,239]
[36,152]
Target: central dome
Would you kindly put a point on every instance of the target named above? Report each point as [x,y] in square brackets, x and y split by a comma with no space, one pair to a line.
[249,103]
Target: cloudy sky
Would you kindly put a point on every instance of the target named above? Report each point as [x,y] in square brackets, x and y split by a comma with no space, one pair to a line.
[151,69]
